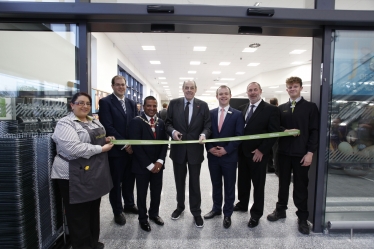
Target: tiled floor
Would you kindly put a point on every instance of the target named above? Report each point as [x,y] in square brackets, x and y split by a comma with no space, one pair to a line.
[183,233]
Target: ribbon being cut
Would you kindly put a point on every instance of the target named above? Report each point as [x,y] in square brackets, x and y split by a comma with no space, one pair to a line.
[248,137]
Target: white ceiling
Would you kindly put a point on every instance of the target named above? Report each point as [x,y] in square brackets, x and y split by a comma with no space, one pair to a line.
[175,51]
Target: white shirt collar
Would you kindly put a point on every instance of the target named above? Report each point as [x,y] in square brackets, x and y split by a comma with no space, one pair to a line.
[297,100]
[191,101]
[225,108]
[148,117]
[120,98]
[256,104]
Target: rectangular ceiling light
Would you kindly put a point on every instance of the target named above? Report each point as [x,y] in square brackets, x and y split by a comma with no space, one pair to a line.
[297,51]
[199,48]
[249,50]
[216,72]
[159,71]
[278,91]
[162,78]
[253,64]
[224,63]
[155,62]
[227,78]
[148,47]
[194,62]
[191,72]
[240,72]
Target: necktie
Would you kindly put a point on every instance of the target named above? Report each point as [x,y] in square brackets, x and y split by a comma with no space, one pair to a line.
[293,105]
[153,127]
[187,113]
[221,118]
[249,114]
[123,104]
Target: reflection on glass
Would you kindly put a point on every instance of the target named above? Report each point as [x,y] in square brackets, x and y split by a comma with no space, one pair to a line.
[350,154]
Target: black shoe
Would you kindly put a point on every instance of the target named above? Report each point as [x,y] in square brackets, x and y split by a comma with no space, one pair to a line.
[303,226]
[157,220]
[145,226]
[199,221]
[211,214]
[176,214]
[252,223]
[226,222]
[120,219]
[99,245]
[237,207]
[132,210]
[276,215]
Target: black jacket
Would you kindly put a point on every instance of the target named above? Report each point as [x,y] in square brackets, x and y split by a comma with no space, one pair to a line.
[305,117]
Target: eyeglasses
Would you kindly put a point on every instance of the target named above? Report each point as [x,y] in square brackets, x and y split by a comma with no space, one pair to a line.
[82,103]
[120,85]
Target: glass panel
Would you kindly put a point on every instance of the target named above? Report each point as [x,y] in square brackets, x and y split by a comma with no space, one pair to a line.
[301,4]
[133,86]
[350,179]
[354,5]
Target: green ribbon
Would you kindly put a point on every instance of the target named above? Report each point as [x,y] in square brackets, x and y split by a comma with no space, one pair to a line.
[248,137]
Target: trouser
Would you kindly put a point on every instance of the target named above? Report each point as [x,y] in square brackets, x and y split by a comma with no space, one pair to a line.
[123,184]
[83,219]
[288,164]
[154,181]
[180,173]
[255,172]
[228,172]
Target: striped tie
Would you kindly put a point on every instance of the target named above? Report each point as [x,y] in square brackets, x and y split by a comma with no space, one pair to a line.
[123,104]
[293,105]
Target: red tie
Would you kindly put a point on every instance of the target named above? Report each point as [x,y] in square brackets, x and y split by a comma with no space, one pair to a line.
[153,127]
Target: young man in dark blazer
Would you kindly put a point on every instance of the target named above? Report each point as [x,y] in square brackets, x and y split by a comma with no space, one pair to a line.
[295,154]
[260,117]
[188,119]
[223,156]
[148,162]
[115,114]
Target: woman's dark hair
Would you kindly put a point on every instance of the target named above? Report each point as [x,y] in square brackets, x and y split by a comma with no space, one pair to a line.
[75,96]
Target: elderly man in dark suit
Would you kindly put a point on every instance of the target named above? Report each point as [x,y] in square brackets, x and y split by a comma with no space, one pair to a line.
[115,114]
[223,156]
[260,117]
[148,162]
[188,119]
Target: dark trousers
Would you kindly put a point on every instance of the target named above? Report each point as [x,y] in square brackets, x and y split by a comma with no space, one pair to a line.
[83,219]
[180,173]
[154,181]
[256,172]
[273,158]
[228,172]
[287,164]
[123,183]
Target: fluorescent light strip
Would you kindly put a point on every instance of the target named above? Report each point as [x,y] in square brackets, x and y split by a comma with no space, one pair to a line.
[194,62]
[198,48]
[224,63]
[162,78]
[253,64]
[297,51]
[249,50]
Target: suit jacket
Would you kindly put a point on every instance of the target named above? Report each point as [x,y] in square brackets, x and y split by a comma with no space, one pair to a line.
[162,114]
[199,124]
[265,119]
[115,120]
[144,155]
[232,126]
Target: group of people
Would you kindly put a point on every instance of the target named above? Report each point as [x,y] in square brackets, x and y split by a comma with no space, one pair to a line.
[88,166]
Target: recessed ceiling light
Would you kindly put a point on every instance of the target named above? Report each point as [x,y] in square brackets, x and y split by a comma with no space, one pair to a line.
[163,82]
[162,78]
[199,48]
[155,62]
[249,50]
[159,71]
[240,72]
[278,91]
[296,63]
[297,51]
[148,47]
[216,72]
[253,64]
[185,78]
[273,86]
[227,78]
[194,62]
[191,72]
[224,63]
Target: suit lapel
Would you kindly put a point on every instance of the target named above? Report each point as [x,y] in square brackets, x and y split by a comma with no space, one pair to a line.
[196,110]
[257,111]
[180,109]
[227,118]
[118,104]
[245,110]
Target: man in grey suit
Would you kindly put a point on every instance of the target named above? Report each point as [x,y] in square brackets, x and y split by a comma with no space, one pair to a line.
[188,119]
[162,114]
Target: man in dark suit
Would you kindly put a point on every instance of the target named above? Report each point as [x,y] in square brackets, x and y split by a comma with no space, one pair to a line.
[148,162]
[223,156]
[162,114]
[260,117]
[273,161]
[188,119]
[115,114]
[139,111]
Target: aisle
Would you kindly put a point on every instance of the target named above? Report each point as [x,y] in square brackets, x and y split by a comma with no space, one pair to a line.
[183,233]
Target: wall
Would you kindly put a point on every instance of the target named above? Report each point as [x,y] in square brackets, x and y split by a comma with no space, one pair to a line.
[108,57]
